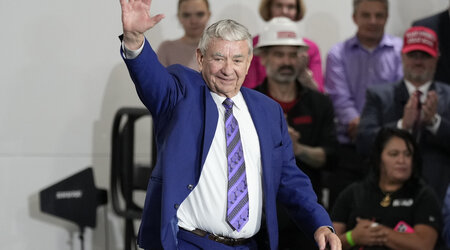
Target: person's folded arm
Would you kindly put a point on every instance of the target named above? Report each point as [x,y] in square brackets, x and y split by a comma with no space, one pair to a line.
[423,238]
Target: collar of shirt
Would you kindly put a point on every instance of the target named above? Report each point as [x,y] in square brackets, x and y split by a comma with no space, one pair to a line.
[424,89]
[238,100]
[386,41]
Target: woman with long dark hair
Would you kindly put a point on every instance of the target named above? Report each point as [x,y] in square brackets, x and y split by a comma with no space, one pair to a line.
[392,208]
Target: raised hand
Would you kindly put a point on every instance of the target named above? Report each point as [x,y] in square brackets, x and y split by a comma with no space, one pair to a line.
[136,20]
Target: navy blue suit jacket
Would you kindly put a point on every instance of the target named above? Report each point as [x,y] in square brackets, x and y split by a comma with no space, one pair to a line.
[185,118]
[384,108]
[440,23]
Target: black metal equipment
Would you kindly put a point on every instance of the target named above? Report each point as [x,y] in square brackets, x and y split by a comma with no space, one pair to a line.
[126,175]
[75,199]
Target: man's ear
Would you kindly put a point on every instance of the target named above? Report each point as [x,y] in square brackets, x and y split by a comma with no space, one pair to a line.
[200,59]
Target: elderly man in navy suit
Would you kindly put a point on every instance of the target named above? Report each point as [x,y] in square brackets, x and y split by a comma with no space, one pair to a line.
[417,104]
[224,153]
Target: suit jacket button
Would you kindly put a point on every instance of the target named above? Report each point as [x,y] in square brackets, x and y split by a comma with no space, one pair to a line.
[190,186]
[176,206]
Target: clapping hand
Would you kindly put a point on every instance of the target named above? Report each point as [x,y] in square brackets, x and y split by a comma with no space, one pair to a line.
[410,112]
[429,108]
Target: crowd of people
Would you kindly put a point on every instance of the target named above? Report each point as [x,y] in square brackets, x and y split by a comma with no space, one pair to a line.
[371,133]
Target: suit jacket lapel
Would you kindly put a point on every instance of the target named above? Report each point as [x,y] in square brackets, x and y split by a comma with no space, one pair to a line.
[441,96]
[264,135]
[401,98]
[211,116]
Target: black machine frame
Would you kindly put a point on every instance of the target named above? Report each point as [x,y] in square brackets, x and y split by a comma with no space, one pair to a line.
[127,176]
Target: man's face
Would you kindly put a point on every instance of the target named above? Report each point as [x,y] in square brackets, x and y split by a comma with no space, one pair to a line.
[370,17]
[418,66]
[225,65]
[283,63]
[284,8]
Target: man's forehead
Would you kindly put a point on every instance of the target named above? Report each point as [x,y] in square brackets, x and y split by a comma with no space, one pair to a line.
[220,41]
[368,6]
[220,46]
[225,55]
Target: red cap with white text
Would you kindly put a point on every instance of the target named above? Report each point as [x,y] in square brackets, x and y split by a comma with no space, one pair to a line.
[420,38]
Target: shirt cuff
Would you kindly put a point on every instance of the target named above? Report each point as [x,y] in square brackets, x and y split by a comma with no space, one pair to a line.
[433,128]
[131,54]
[400,124]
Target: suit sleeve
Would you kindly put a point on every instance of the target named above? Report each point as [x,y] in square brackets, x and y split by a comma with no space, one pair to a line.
[157,89]
[443,133]
[371,121]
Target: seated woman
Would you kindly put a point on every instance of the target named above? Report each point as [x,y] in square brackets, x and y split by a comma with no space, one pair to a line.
[295,10]
[193,16]
[392,208]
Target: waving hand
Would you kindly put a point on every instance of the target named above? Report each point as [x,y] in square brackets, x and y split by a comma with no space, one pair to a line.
[136,20]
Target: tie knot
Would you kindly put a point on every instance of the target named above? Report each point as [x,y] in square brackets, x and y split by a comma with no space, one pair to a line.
[418,93]
[228,104]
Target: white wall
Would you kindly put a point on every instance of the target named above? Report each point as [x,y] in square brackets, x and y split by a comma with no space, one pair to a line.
[62,80]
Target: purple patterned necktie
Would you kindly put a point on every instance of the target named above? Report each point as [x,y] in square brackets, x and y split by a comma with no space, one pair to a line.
[417,124]
[237,205]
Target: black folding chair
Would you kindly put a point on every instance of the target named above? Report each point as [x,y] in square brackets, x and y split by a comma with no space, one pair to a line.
[127,176]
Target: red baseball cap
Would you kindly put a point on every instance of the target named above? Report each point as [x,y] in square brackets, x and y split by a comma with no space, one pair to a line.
[421,38]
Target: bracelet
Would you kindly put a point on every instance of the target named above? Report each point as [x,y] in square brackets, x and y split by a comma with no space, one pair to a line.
[350,241]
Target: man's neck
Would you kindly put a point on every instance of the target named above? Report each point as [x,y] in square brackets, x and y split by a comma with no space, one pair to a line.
[369,43]
[284,92]
[417,84]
